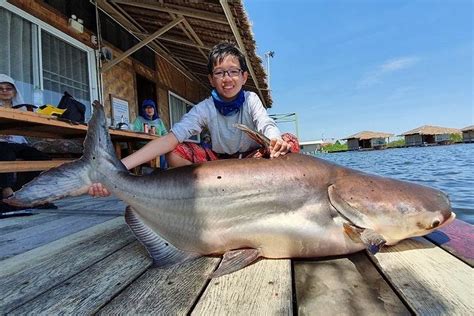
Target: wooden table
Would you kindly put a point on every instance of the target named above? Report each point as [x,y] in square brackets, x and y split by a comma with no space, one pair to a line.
[23,123]
[82,259]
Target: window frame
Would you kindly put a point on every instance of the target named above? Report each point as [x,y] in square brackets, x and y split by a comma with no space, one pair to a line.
[38,27]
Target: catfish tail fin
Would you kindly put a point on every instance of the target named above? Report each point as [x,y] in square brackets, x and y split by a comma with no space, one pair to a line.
[74,178]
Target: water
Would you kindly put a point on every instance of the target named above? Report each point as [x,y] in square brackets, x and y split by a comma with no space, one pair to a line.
[448,168]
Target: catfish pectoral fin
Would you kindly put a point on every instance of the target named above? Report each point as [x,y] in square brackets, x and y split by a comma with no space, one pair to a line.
[235,260]
[163,253]
[353,232]
[371,239]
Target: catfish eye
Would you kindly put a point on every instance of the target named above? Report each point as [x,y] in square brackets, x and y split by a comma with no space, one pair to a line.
[435,223]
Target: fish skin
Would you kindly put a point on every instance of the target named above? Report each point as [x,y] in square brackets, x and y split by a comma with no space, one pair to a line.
[291,206]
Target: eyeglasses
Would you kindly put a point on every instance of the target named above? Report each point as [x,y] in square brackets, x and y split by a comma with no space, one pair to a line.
[7,89]
[232,72]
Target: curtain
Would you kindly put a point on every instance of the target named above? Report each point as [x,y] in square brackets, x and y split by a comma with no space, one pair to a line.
[16,52]
[178,109]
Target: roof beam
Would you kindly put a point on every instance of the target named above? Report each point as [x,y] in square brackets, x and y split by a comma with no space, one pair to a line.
[127,24]
[195,36]
[197,62]
[235,31]
[143,43]
[189,32]
[197,14]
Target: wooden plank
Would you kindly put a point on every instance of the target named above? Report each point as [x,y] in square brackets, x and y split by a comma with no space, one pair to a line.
[28,275]
[457,238]
[430,280]
[20,241]
[169,291]
[262,288]
[26,165]
[12,224]
[344,286]
[86,204]
[86,292]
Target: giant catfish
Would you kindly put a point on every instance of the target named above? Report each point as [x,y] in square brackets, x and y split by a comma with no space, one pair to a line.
[292,206]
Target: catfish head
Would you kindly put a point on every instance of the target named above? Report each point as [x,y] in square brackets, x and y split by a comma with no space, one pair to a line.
[382,211]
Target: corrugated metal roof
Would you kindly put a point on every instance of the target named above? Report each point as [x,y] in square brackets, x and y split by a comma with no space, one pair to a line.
[432,130]
[187,44]
[468,128]
[369,135]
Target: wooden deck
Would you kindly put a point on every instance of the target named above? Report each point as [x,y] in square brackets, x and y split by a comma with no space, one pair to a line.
[82,259]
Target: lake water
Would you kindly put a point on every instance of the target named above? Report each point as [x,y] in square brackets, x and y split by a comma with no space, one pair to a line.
[448,168]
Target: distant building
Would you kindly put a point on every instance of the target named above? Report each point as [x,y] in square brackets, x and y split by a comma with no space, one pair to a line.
[429,135]
[367,140]
[313,146]
[468,134]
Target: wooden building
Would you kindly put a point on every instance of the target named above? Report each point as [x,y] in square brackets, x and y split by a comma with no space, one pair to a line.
[468,134]
[367,140]
[429,135]
[122,52]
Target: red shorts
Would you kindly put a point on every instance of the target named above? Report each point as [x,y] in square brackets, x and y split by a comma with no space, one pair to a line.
[195,153]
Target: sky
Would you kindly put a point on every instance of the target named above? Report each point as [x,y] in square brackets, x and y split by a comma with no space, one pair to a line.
[345,66]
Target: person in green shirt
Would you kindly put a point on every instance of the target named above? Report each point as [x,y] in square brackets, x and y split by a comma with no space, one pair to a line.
[149,115]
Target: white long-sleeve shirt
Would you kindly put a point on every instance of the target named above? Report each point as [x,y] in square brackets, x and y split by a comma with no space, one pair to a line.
[225,137]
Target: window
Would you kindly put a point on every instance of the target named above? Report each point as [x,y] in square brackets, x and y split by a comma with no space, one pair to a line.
[64,69]
[45,62]
[179,107]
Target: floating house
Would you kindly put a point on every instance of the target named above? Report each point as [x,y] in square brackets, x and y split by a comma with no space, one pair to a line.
[312,146]
[468,134]
[122,53]
[429,135]
[367,140]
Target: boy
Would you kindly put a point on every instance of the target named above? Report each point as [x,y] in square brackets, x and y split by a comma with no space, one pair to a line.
[228,104]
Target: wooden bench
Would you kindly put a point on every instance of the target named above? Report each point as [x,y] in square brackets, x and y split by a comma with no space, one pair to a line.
[26,165]
[105,270]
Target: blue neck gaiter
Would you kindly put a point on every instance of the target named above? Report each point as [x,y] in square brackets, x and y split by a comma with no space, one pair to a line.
[228,108]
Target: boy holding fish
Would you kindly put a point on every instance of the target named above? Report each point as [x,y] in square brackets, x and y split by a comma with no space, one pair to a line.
[228,104]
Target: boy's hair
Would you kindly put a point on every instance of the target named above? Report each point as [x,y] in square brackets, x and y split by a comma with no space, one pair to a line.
[222,50]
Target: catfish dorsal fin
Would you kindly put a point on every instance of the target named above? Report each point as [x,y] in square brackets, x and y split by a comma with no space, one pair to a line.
[163,253]
[259,138]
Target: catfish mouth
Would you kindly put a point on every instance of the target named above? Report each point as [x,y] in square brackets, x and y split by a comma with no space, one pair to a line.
[435,225]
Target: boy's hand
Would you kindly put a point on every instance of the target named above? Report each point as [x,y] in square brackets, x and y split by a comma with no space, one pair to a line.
[98,190]
[278,147]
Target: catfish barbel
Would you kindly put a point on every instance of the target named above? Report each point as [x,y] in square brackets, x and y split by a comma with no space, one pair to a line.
[293,206]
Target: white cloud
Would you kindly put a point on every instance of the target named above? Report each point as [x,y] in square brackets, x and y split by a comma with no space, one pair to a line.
[398,64]
[375,76]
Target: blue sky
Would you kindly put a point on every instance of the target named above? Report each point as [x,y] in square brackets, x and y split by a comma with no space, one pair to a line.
[345,66]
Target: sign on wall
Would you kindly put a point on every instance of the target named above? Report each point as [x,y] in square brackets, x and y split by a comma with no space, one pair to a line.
[120,112]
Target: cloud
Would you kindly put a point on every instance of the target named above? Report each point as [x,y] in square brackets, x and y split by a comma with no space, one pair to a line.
[376,76]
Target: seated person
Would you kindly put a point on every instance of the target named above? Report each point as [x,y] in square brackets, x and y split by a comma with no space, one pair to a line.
[149,115]
[13,147]
[228,104]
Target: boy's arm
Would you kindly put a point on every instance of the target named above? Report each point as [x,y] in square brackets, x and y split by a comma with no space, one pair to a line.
[266,125]
[155,148]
